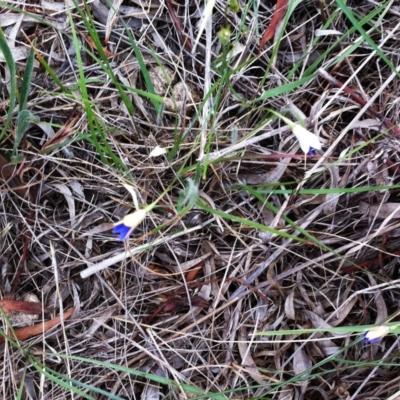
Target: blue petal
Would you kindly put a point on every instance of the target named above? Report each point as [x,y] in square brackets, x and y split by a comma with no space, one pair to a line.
[370,341]
[123,231]
[310,151]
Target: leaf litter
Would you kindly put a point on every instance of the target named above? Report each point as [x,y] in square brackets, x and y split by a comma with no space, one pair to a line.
[187,295]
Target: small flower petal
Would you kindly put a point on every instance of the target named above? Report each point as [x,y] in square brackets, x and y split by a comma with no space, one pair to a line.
[158,151]
[307,140]
[374,335]
[134,219]
[122,230]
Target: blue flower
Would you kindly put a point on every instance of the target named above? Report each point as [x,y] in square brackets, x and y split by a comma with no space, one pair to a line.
[125,227]
[122,230]
[374,335]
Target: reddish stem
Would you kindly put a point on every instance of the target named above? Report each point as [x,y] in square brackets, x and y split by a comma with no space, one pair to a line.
[368,263]
[353,95]
[184,37]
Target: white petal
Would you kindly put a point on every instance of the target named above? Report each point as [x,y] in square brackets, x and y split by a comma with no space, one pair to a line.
[132,191]
[306,138]
[158,151]
[134,219]
[377,332]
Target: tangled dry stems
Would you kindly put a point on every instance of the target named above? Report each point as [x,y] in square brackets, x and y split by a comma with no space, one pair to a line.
[142,311]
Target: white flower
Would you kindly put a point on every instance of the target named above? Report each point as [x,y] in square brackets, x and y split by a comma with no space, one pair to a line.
[375,334]
[307,140]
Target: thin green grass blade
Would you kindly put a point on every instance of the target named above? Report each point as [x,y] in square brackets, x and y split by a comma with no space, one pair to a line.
[246,222]
[25,117]
[82,84]
[365,35]
[313,45]
[295,226]
[143,69]
[292,6]
[151,95]
[142,65]
[21,386]
[377,12]
[96,131]
[152,377]
[26,82]
[73,382]
[316,64]
[272,190]
[61,382]
[288,87]
[52,74]
[13,86]
[338,329]
[103,61]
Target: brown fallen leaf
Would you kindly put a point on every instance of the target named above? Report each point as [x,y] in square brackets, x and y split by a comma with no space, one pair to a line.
[9,178]
[37,329]
[26,307]
[176,304]
[191,275]
[280,9]
[93,46]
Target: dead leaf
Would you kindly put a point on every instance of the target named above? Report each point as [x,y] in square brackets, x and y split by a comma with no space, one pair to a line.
[280,9]
[248,363]
[380,211]
[382,312]
[9,19]
[176,304]
[112,18]
[301,363]
[158,151]
[62,136]
[99,321]
[192,274]
[93,45]
[64,190]
[53,6]
[9,178]
[18,54]
[28,331]
[289,306]
[25,307]
[332,199]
